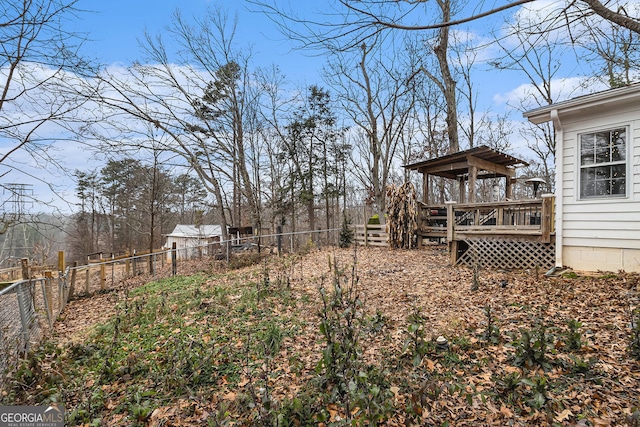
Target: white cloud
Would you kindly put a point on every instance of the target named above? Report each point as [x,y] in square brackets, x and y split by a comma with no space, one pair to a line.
[526,96]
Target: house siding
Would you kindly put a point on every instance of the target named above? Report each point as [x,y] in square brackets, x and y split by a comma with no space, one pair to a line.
[636,158]
[601,234]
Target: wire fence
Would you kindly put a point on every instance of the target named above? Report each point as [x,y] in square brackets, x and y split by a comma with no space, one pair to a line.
[29,307]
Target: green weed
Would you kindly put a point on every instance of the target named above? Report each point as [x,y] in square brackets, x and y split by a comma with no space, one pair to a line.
[533,347]
[415,342]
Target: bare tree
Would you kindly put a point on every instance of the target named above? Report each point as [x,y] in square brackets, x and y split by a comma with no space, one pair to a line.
[200,99]
[536,51]
[618,17]
[351,22]
[614,51]
[38,61]
[275,113]
[375,90]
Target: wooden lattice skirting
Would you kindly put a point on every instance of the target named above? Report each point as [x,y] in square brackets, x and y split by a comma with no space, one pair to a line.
[496,253]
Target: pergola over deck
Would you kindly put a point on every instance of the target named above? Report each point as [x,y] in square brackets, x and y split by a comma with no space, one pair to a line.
[470,165]
[497,234]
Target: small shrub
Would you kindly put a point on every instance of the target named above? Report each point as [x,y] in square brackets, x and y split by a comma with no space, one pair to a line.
[532,348]
[377,322]
[537,392]
[361,390]
[415,341]
[507,386]
[581,366]
[492,332]
[346,233]
[573,337]
[273,339]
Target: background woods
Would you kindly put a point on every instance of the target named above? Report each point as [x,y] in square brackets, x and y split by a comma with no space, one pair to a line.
[196,130]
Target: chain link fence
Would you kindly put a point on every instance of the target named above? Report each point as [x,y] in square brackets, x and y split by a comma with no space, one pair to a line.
[24,307]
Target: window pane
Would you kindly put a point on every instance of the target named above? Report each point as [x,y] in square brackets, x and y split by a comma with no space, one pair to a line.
[602,147]
[587,180]
[586,149]
[618,145]
[618,180]
[618,187]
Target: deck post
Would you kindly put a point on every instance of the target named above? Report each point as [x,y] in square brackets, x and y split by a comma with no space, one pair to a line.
[425,188]
[473,173]
[420,216]
[547,217]
[451,237]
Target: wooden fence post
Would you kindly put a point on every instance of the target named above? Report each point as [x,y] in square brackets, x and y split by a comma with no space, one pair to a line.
[103,274]
[87,277]
[366,233]
[48,290]
[61,261]
[72,286]
[24,262]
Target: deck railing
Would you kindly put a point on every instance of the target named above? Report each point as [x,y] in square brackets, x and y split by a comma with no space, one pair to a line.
[527,218]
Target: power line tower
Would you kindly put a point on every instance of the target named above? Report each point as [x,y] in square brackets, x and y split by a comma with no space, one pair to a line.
[14,211]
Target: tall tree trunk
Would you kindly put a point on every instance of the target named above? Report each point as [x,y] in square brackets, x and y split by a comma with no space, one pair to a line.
[449,84]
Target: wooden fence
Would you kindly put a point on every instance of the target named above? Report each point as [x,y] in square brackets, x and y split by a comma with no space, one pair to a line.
[371,235]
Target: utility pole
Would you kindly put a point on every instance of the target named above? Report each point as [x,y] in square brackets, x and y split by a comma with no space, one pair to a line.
[14,209]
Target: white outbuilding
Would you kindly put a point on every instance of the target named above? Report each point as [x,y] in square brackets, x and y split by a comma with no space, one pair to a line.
[597,179]
[193,241]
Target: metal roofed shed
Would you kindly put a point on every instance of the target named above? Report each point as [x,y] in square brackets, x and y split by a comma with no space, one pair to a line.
[193,240]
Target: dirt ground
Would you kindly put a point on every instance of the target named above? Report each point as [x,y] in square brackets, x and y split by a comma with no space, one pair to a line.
[396,283]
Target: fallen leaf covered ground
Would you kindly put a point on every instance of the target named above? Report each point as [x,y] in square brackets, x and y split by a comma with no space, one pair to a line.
[249,347]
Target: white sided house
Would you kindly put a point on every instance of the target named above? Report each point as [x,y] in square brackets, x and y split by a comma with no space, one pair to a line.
[597,179]
[193,241]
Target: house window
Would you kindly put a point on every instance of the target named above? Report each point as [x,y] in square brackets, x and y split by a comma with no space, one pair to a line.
[603,164]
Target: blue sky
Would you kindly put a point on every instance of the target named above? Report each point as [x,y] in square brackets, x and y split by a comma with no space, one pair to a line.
[115,26]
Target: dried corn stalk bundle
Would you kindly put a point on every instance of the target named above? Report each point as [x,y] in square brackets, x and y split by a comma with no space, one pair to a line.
[402,215]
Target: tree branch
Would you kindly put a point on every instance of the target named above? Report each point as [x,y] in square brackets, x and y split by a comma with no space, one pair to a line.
[615,17]
[377,22]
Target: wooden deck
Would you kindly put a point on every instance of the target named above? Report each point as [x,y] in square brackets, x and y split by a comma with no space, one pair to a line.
[484,232]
